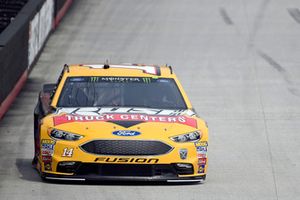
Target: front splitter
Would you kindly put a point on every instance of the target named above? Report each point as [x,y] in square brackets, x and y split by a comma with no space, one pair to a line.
[200,178]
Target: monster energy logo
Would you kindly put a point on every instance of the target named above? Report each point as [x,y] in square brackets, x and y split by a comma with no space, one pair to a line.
[94,79]
[147,80]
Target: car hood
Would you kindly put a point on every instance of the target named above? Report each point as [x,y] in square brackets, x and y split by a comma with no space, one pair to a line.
[108,119]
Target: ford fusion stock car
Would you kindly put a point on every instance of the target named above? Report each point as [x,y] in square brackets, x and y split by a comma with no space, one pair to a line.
[118,122]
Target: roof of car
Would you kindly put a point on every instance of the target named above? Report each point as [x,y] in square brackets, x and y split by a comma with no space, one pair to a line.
[118,70]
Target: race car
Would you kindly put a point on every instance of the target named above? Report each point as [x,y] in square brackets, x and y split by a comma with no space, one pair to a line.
[125,122]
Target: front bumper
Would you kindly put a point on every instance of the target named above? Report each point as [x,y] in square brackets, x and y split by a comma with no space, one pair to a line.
[125,172]
[64,160]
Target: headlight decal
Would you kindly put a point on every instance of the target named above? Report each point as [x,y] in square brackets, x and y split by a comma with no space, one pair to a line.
[64,135]
[47,150]
[187,137]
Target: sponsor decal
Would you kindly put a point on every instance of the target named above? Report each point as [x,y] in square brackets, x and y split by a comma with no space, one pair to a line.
[126,160]
[47,159]
[201,155]
[126,133]
[163,80]
[201,169]
[48,166]
[201,143]
[94,79]
[201,149]
[47,144]
[119,79]
[39,28]
[147,80]
[114,79]
[146,69]
[47,150]
[67,152]
[201,161]
[81,79]
[183,153]
[95,111]
[67,118]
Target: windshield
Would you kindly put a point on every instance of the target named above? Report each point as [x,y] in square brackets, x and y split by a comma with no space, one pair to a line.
[102,91]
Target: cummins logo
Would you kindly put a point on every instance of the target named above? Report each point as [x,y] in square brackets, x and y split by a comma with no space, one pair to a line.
[126,133]
[183,153]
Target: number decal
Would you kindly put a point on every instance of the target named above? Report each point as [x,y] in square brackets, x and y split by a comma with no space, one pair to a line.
[67,152]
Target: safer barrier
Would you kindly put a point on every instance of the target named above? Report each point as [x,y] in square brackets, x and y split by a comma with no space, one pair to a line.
[21,43]
[61,7]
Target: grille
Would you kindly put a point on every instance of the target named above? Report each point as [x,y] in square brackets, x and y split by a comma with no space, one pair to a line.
[126,147]
[127,170]
[149,170]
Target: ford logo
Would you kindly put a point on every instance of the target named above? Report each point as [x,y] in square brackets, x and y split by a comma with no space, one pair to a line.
[126,133]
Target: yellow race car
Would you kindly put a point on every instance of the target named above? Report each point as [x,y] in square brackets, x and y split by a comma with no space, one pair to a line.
[118,122]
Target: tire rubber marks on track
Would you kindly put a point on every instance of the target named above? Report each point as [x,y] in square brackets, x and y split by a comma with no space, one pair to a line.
[295,14]
[259,17]
[271,61]
[225,16]
[292,89]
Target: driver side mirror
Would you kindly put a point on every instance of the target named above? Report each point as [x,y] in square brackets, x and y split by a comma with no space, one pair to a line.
[45,97]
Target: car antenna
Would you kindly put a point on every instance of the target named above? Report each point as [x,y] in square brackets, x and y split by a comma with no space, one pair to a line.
[66,67]
[171,70]
[106,65]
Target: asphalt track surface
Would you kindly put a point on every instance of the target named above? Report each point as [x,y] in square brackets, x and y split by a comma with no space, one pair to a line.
[239,62]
